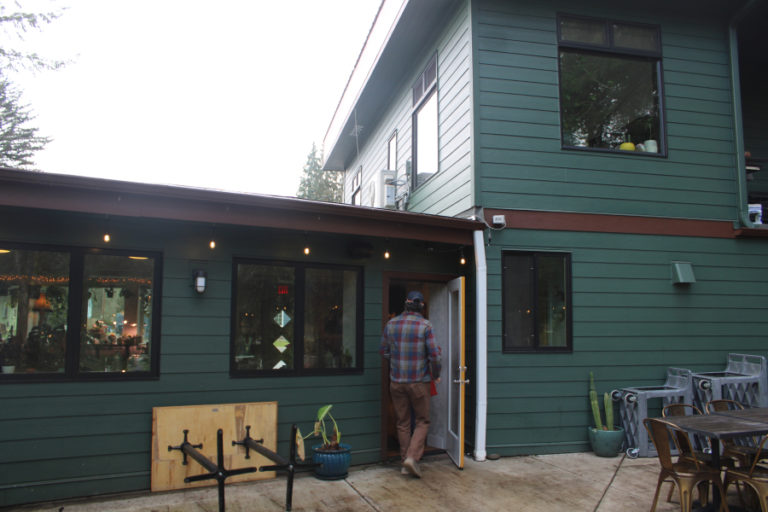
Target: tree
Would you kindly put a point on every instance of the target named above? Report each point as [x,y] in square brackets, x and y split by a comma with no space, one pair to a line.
[18,141]
[318,184]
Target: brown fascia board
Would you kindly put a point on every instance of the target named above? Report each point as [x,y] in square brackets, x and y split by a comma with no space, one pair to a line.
[26,189]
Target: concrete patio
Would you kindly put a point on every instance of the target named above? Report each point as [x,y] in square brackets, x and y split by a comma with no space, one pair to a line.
[579,482]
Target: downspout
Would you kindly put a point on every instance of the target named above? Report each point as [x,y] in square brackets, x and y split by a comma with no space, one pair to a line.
[738,123]
[481,300]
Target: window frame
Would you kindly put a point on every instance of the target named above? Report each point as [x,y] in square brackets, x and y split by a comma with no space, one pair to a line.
[75,321]
[428,90]
[610,48]
[357,197]
[392,158]
[506,345]
[298,333]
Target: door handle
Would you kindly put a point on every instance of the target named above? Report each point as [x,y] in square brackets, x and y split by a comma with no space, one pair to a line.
[459,381]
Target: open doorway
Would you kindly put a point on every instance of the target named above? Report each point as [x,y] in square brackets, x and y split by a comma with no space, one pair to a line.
[445,312]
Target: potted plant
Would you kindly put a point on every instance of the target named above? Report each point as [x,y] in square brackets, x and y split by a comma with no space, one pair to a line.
[605,439]
[333,455]
[10,353]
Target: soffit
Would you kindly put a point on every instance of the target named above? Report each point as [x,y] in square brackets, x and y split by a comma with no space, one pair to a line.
[96,196]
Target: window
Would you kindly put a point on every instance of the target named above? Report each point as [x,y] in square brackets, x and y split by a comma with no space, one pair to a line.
[78,313]
[425,125]
[357,180]
[392,153]
[536,302]
[295,318]
[610,85]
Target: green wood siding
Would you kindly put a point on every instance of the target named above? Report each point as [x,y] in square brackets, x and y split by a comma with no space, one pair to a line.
[519,160]
[66,439]
[449,192]
[630,323]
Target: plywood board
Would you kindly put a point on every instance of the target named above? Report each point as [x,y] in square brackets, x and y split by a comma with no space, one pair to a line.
[203,421]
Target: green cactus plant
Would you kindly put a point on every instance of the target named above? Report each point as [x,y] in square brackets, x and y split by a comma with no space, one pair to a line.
[607,404]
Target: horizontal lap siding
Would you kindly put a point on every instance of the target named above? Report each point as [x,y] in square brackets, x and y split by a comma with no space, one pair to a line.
[68,439]
[449,192]
[520,163]
[630,323]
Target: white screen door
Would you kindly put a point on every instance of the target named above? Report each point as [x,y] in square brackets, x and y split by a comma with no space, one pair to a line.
[457,371]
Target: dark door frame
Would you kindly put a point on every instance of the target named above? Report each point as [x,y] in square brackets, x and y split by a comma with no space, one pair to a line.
[387,278]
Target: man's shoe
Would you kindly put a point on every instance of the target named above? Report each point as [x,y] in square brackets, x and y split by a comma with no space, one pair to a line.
[412,467]
[404,471]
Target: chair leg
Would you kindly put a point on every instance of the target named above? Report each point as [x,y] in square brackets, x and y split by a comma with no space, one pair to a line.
[656,495]
[671,490]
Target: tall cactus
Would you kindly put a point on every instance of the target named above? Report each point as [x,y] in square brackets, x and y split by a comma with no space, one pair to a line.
[594,402]
[608,402]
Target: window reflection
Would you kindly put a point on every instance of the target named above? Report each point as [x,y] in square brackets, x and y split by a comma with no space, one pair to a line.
[34,291]
[117,308]
[265,317]
[329,312]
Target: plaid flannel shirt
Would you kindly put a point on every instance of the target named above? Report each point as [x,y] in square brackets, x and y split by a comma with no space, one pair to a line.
[409,345]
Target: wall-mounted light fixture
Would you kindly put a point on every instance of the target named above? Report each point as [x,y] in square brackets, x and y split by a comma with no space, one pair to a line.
[387,255]
[462,259]
[200,281]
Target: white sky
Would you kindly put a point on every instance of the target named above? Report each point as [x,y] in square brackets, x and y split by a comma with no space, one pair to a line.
[226,94]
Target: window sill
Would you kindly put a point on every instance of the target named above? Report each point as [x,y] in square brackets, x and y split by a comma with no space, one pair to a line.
[615,151]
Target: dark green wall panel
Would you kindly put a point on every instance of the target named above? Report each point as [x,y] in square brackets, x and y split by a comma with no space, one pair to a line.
[630,323]
[517,129]
[104,428]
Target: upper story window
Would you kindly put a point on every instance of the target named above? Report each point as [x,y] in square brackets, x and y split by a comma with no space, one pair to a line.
[78,313]
[357,181]
[425,125]
[610,85]
[296,318]
[392,153]
[536,302]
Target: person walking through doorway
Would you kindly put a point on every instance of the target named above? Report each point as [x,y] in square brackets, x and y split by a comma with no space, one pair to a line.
[414,360]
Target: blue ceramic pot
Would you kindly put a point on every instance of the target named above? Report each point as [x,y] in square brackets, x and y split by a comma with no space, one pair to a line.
[606,443]
[335,463]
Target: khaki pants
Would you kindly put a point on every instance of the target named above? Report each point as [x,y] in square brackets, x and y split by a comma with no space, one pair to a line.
[404,396]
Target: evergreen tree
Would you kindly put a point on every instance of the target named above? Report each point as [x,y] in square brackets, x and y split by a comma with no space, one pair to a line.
[318,184]
[18,142]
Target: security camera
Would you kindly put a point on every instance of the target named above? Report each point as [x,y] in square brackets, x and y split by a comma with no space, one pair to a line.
[499,221]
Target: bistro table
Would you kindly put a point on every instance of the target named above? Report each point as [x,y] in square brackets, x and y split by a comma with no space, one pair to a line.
[723,425]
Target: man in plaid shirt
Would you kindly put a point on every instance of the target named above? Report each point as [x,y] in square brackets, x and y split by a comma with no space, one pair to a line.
[414,360]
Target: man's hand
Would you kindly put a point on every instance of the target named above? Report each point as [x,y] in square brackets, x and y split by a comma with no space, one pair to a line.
[437,380]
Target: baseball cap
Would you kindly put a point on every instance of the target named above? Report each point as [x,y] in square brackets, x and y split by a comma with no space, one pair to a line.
[415,296]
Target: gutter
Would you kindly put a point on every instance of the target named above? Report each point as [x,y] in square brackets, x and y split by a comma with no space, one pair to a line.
[738,122]
[481,293]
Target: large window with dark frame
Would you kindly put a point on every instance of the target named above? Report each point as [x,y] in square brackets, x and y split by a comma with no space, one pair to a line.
[296,318]
[425,144]
[536,302]
[610,85]
[78,313]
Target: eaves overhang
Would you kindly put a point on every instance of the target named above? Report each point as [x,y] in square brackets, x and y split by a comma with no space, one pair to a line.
[417,24]
[58,192]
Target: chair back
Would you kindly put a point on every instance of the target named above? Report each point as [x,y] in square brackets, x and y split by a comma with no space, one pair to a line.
[722,405]
[759,455]
[658,430]
[680,410]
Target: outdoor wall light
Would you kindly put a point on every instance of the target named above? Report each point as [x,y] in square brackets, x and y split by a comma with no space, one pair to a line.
[387,255]
[212,244]
[107,238]
[200,280]
[462,259]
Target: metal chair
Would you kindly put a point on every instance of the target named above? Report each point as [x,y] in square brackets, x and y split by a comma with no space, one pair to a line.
[743,453]
[756,476]
[672,410]
[686,474]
